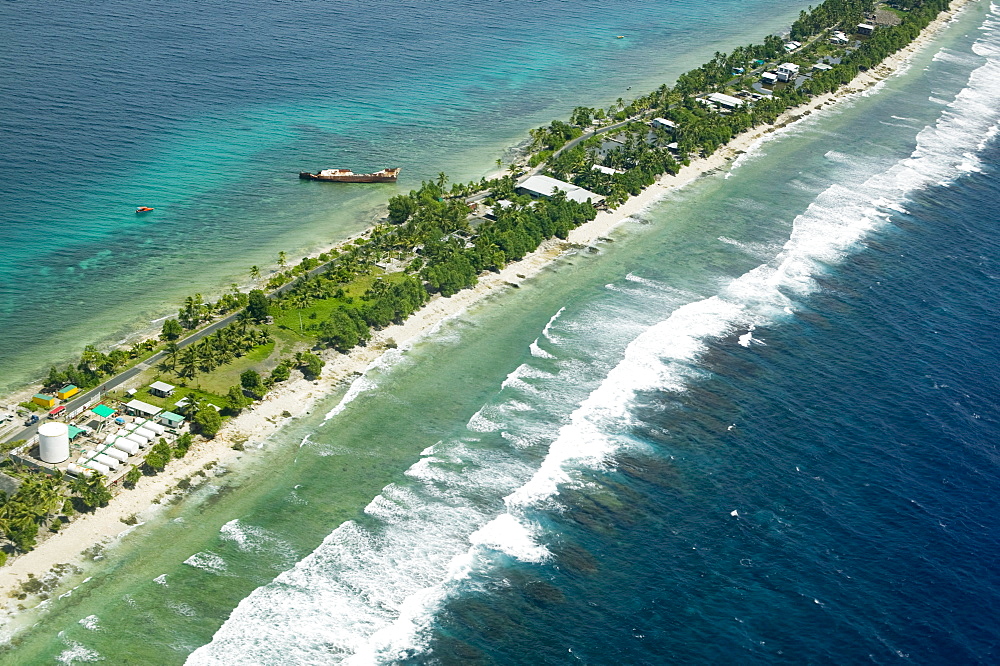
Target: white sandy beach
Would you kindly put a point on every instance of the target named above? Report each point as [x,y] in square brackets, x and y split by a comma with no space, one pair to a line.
[297,396]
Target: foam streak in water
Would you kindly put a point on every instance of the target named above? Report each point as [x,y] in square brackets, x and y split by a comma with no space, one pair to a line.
[369,594]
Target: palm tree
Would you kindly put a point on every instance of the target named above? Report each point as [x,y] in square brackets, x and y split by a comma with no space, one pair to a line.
[282,259]
[171,350]
[254,272]
[243,321]
[92,490]
[189,363]
[39,496]
[207,355]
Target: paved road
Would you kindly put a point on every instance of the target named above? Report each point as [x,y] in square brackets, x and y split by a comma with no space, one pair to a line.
[119,379]
[124,376]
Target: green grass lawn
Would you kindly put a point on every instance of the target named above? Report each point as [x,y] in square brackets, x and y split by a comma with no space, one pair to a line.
[214,385]
[181,392]
[262,359]
[288,325]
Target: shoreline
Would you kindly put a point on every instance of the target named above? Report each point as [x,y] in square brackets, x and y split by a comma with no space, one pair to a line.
[299,396]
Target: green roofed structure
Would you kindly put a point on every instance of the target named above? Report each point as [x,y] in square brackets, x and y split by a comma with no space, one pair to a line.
[170,419]
[103,411]
[74,432]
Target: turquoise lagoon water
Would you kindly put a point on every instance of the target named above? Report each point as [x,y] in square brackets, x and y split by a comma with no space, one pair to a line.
[757,427]
[207,112]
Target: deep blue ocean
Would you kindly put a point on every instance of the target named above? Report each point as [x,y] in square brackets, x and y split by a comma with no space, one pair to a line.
[758,426]
[825,496]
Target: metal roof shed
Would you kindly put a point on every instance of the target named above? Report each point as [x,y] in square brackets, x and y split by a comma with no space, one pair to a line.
[546,186]
[170,419]
[103,411]
[140,408]
[727,101]
[161,389]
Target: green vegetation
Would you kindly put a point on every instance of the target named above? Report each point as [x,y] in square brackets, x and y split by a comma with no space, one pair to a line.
[428,246]
[831,14]
[172,330]
[257,306]
[312,365]
[236,400]
[208,421]
[8,446]
[44,500]
[183,445]
[91,491]
[158,457]
[95,366]
[132,476]
[253,384]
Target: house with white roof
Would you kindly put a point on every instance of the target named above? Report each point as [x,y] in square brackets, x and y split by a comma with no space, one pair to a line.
[727,101]
[546,186]
[787,71]
[663,123]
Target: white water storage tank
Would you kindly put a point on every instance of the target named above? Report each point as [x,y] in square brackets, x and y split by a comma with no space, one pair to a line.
[126,445]
[138,439]
[53,442]
[149,425]
[107,461]
[118,455]
[95,466]
[143,432]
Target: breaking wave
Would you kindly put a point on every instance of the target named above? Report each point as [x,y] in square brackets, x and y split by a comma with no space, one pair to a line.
[369,593]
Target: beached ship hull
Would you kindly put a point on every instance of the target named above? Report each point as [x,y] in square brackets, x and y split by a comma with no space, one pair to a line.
[348,176]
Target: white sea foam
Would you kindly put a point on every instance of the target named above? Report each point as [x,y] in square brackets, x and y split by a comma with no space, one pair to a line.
[747,338]
[508,535]
[827,230]
[761,251]
[370,592]
[91,622]
[547,330]
[208,561]
[538,352]
[77,653]
[482,423]
[254,539]
[363,384]
[183,609]
[515,379]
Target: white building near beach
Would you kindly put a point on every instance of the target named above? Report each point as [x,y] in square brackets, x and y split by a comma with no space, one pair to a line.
[727,101]
[663,123]
[787,71]
[546,186]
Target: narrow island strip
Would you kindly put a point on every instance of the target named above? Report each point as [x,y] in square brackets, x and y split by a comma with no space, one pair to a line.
[243,366]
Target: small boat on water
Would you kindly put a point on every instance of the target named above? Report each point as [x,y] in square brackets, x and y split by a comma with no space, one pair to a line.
[143,209]
[348,176]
